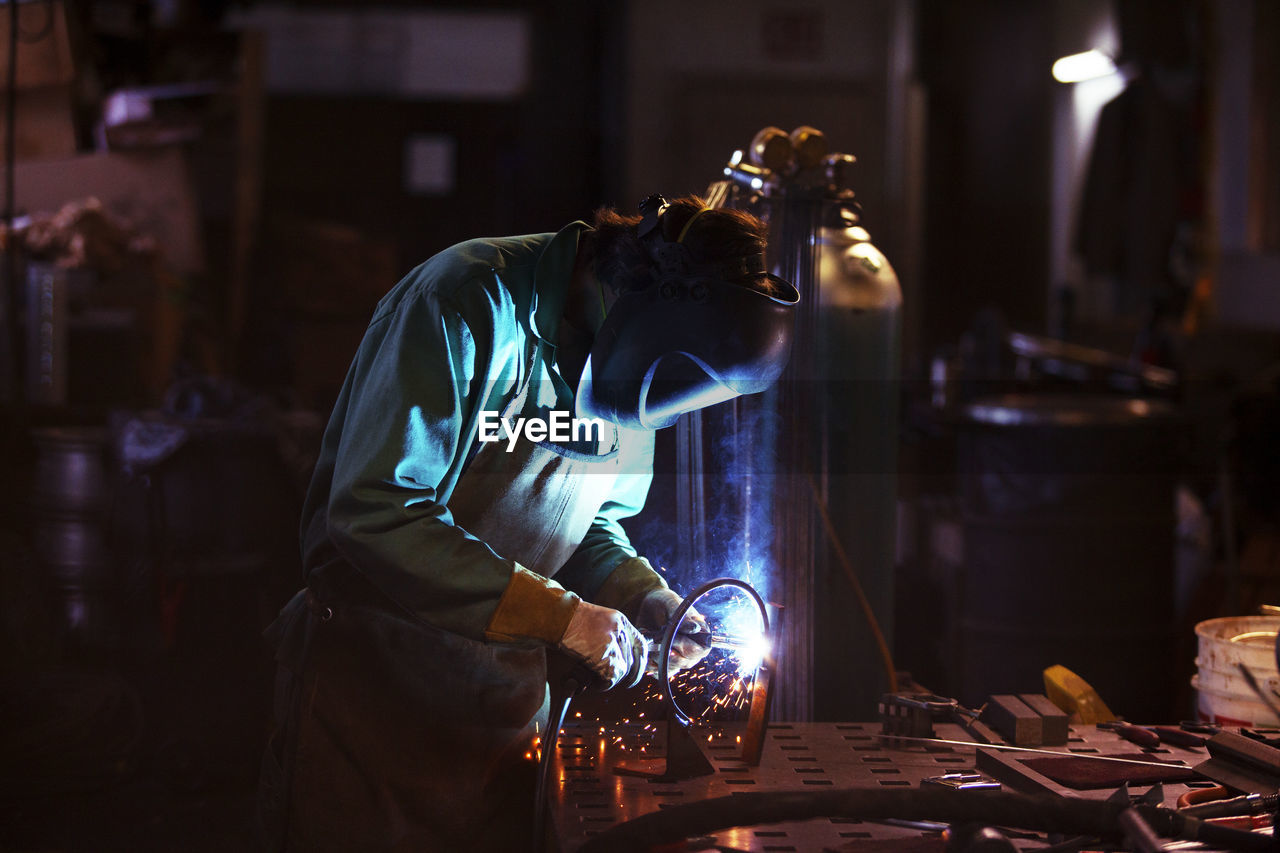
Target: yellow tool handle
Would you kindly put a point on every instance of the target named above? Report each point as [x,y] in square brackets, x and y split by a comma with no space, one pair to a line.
[1075,696]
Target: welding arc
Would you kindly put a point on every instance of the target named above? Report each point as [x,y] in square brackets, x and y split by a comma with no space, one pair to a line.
[843,559]
[1040,812]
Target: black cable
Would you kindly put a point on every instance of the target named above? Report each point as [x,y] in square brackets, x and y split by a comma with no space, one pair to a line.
[562,693]
[1040,812]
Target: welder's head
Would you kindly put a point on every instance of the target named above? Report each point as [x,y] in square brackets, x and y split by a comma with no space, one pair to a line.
[696,317]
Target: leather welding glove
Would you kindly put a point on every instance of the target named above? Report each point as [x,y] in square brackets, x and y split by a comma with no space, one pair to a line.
[537,609]
[692,641]
[641,593]
[605,641]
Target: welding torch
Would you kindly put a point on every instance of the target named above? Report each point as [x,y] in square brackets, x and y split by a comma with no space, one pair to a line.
[704,637]
[720,640]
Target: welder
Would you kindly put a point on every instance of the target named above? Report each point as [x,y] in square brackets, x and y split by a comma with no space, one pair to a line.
[443,564]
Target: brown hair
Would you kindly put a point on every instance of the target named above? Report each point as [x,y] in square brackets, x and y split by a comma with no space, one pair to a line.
[718,234]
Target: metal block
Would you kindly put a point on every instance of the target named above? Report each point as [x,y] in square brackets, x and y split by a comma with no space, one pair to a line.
[1054,721]
[1009,715]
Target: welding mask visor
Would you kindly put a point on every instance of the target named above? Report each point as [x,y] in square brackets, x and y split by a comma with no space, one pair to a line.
[682,344]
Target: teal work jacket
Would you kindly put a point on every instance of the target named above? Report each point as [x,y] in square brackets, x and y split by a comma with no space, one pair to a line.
[454,338]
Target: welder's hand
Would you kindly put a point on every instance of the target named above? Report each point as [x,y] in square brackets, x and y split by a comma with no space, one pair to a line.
[606,642]
[693,639]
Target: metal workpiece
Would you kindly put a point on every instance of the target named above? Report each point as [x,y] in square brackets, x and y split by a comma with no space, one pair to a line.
[723,624]
[588,797]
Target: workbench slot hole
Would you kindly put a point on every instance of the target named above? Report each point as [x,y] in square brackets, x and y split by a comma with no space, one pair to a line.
[867,748]
[786,737]
[844,820]
[885,771]
[591,805]
[876,759]
[792,748]
[801,758]
[739,781]
[892,782]
[952,760]
[857,737]
[855,835]
[776,847]
[817,782]
[762,833]
[849,726]
[1084,749]
[817,770]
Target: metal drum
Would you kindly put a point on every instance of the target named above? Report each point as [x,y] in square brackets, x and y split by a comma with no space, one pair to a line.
[74,551]
[1068,518]
[70,502]
[70,472]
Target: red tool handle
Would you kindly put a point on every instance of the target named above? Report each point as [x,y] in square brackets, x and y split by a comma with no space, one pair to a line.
[1178,737]
[1143,737]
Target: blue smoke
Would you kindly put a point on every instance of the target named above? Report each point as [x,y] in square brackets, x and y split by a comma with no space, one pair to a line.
[734,532]
[742,474]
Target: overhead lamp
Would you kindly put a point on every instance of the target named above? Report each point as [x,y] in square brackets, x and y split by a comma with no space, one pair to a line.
[1079,67]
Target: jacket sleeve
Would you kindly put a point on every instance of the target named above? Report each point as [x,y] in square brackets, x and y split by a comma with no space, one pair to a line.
[604,568]
[418,378]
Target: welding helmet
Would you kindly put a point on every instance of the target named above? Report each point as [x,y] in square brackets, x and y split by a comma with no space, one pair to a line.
[693,335]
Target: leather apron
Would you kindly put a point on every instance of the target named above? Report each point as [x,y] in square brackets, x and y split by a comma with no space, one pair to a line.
[396,735]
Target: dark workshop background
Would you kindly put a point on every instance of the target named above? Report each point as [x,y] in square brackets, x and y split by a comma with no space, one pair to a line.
[205,199]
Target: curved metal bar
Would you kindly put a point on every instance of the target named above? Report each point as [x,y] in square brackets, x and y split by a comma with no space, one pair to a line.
[669,635]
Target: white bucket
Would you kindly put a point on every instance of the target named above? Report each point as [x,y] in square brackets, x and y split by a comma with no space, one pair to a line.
[1233,680]
[1231,709]
[1225,697]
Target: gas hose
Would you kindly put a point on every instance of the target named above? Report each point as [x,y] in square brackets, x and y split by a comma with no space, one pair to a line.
[1043,813]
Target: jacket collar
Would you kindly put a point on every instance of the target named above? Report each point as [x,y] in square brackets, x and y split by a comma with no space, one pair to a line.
[551,280]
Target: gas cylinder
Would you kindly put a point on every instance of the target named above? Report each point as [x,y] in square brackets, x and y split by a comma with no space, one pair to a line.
[824,441]
[857,332]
